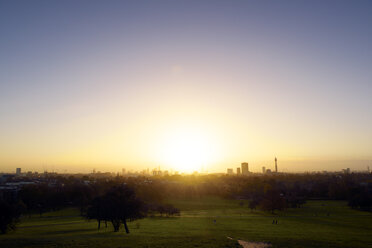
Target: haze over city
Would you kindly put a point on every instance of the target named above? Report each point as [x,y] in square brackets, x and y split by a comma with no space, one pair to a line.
[188,86]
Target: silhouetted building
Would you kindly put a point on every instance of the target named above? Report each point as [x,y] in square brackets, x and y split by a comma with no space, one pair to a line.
[346,171]
[245,168]
[268,171]
[276,165]
[238,171]
[263,169]
[18,171]
[230,171]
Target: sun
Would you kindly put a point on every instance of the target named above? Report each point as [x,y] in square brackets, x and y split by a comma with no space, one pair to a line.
[187,149]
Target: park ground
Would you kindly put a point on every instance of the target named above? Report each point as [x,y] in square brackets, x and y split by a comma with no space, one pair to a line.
[204,222]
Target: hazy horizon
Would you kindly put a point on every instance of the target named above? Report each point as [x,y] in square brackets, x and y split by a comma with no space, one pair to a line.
[286,166]
[185,85]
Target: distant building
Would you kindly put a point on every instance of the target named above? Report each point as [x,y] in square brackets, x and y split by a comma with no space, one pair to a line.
[18,171]
[268,171]
[245,168]
[276,165]
[238,171]
[346,171]
[230,171]
[263,169]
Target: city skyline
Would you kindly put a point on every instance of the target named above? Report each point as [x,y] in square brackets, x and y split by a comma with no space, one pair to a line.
[254,167]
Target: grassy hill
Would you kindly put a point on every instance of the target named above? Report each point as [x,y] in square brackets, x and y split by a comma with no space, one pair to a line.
[317,224]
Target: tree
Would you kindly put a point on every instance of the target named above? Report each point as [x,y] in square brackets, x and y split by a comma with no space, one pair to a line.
[97,211]
[253,204]
[360,198]
[272,199]
[118,205]
[9,216]
[161,209]
[170,210]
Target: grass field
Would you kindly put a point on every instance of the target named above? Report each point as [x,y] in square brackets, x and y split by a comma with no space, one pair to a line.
[317,224]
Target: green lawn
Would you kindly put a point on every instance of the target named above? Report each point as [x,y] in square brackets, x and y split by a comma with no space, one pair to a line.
[317,224]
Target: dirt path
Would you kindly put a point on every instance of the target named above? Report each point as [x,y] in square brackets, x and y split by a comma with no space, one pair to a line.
[246,244]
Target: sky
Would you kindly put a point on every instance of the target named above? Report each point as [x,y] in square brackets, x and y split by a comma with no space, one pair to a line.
[185,85]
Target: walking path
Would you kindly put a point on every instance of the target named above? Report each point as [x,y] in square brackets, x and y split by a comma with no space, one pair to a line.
[246,244]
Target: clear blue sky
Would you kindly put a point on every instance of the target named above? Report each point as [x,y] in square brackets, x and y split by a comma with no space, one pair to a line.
[81,80]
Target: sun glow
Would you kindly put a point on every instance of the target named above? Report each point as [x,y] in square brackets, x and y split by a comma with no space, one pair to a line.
[187,149]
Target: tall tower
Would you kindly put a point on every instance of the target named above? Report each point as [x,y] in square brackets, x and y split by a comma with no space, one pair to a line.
[276,165]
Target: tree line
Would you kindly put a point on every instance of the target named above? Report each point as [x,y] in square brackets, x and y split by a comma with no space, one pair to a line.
[120,199]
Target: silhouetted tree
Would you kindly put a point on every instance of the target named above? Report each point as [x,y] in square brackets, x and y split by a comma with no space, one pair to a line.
[9,216]
[170,210]
[161,209]
[118,205]
[272,199]
[360,199]
[253,204]
[97,211]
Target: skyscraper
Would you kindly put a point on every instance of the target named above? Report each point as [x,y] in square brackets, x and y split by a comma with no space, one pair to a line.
[245,168]
[18,171]
[263,169]
[276,165]
[238,171]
